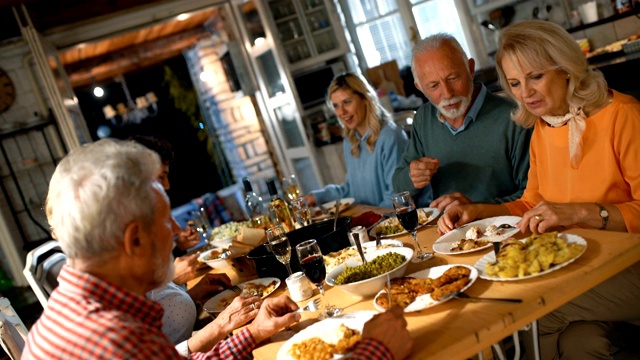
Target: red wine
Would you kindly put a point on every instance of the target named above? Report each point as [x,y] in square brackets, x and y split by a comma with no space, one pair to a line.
[408,218]
[313,267]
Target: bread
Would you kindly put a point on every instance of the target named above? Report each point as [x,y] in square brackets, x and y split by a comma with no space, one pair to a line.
[252,237]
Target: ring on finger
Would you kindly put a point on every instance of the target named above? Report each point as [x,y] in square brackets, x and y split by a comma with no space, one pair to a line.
[254,306]
[539,217]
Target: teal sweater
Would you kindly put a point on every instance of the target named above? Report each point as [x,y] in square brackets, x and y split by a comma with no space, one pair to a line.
[487,162]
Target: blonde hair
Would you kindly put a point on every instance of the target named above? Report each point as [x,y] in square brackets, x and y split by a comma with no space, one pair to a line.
[543,45]
[375,114]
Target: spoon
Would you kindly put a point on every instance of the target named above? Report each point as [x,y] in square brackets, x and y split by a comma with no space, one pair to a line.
[356,239]
[463,296]
[335,220]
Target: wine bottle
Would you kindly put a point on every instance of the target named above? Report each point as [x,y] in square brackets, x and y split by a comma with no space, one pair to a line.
[278,208]
[256,209]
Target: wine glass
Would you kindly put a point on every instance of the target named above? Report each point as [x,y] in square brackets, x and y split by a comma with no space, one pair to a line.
[408,216]
[312,264]
[301,212]
[280,245]
[201,222]
[291,187]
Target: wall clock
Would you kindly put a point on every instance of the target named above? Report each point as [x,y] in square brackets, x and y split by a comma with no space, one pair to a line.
[7,91]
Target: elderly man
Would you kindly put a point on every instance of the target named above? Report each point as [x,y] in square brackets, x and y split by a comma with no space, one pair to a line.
[464,147]
[113,221]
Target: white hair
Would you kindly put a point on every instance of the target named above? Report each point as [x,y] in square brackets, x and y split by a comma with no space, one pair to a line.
[96,191]
[434,42]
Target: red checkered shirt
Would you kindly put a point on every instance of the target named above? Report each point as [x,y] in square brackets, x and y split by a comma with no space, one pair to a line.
[88,318]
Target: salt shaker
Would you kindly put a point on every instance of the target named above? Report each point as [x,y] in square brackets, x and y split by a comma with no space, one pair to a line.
[299,286]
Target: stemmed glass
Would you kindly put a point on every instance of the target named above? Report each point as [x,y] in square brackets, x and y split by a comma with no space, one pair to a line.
[301,212]
[201,222]
[280,245]
[291,187]
[408,216]
[312,264]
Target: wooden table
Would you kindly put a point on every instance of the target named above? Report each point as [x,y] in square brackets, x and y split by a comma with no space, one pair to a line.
[459,329]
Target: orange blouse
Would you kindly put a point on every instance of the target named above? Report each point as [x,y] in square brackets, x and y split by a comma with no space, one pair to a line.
[609,172]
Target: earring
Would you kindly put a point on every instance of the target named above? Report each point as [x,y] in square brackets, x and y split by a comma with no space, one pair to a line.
[568,76]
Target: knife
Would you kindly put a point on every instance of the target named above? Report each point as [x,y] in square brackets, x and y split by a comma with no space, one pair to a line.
[389,290]
[378,241]
[356,239]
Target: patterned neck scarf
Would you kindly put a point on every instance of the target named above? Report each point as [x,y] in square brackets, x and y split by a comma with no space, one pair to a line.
[576,119]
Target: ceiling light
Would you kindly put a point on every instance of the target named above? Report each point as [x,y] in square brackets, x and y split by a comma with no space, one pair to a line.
[98,91]
[183,16]
[259,41]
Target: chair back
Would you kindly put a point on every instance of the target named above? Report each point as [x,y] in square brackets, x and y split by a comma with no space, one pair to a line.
[13,333]
[42,267]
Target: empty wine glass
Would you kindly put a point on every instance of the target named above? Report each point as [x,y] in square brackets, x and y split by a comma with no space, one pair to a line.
[408,216]
[201,222]
[312,264]
[301,212]
[280,245]
[291,187]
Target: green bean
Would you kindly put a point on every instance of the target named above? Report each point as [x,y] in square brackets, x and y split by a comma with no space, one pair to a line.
[375,267]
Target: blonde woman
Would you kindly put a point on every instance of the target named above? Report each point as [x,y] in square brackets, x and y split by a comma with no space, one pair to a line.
[372,148]
[585,172]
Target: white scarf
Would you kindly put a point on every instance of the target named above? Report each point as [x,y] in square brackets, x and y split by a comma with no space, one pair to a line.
[576,119]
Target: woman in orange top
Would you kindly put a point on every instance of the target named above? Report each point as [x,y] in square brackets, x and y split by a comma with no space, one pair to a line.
[585,171]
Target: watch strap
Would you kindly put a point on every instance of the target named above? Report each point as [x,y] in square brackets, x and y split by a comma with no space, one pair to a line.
[604,214]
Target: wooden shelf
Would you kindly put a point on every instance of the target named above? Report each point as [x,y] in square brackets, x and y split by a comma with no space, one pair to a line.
[606,20]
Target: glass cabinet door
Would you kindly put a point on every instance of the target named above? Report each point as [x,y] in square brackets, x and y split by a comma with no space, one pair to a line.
[322,33]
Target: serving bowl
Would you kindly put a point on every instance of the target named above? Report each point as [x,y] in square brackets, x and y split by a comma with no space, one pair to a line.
[216,258]
[371,286]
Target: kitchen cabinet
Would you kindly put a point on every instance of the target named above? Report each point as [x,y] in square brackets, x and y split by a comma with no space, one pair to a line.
[309,31]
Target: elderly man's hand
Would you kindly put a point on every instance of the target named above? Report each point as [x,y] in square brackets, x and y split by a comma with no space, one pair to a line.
[238,313]
[209,285]
[456,198]
[390,328]
[421,171]
[186,267]
[274,314]
[187,238]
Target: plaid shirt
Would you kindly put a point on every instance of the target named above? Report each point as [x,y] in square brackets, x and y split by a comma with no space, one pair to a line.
[88,318]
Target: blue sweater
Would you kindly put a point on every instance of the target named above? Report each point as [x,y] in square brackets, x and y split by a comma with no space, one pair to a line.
[487,162]
[368,178]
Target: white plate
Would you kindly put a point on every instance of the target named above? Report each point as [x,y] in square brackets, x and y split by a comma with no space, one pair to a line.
[425,301]
[433,213]
[445,242]
[491,257]
[330,207]
[213,305]
[325,329]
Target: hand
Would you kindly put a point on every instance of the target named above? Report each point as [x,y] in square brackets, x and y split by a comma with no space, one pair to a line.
[209,285]
[187,238]
[547,215]
[455,216]
[421,171]
[274,314]
[390,328]
[185,268]
[238,313]
[456,198]
[310,199]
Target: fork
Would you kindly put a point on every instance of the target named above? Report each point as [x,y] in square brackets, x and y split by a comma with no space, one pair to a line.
[236,289]
[311,306]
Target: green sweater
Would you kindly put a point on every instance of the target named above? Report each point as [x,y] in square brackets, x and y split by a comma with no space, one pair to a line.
[487,162]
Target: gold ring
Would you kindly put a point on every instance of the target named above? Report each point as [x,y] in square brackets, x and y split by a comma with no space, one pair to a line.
[539,217]
[254,305]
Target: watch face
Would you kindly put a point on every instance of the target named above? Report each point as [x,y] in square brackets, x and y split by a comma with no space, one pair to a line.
[604,213]
[7,91]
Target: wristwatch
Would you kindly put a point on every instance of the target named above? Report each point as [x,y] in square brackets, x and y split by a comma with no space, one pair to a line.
[604,214]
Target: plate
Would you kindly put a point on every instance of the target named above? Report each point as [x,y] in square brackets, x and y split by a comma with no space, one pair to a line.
[445,242]
[214,305]
[326,328]
[432,213]
[425,301]
[330,207]
[491,257]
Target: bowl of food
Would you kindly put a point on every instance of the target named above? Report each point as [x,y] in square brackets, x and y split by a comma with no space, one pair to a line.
[215,258]
[365,280]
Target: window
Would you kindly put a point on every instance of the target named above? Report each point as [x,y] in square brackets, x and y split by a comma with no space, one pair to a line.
[382,26]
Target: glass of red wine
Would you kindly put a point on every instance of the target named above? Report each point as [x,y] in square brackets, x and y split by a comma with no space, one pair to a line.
[408,216]
[312,264]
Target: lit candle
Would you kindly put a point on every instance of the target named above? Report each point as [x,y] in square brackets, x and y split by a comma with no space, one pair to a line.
[109,112]
[122,110]
[141,102]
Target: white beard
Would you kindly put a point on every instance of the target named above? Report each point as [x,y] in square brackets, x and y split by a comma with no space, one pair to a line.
[461,110]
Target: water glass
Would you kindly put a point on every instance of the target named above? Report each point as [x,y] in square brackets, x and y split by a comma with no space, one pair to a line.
[301,212]
[201,222]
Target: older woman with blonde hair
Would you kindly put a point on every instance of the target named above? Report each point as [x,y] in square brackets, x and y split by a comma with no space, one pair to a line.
[374,147]
[585,172]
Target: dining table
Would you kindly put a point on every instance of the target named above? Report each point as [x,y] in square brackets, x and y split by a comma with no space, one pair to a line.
[459,329]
